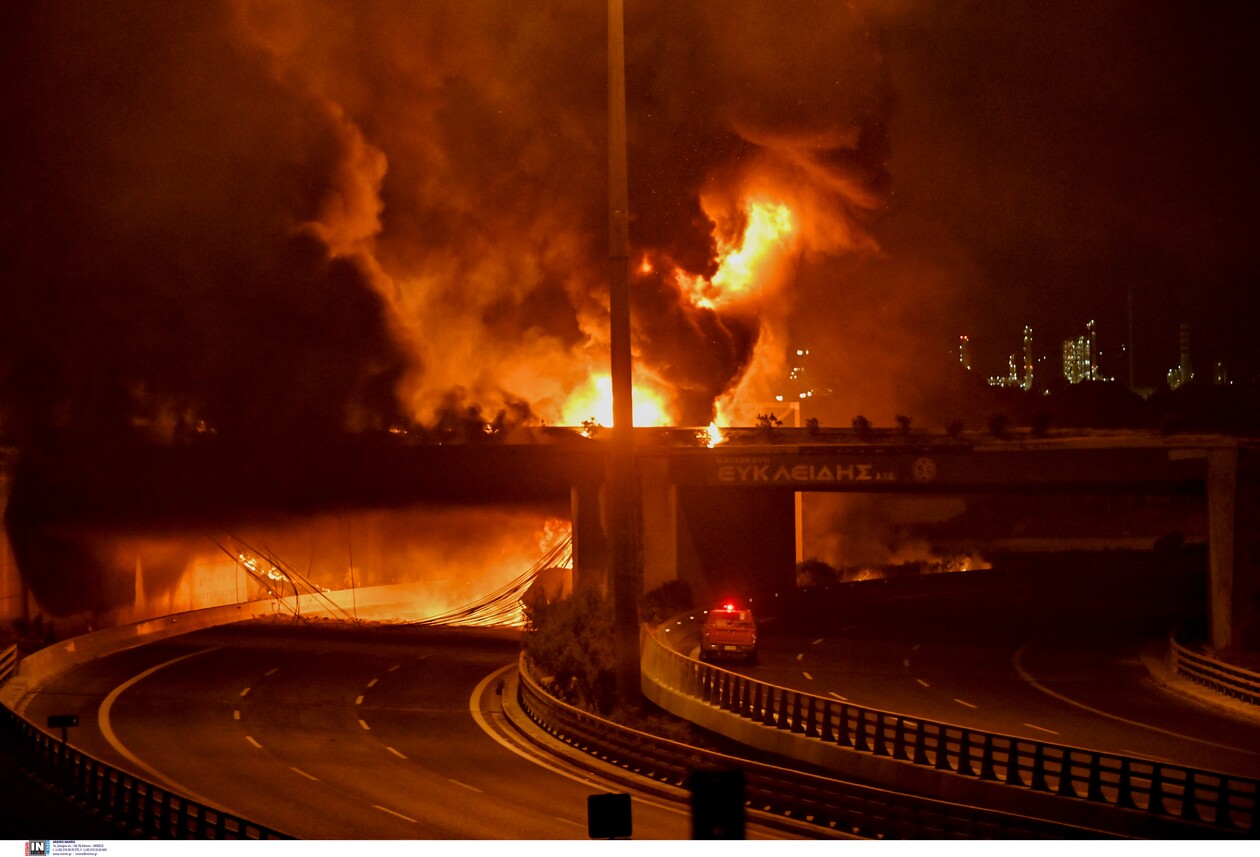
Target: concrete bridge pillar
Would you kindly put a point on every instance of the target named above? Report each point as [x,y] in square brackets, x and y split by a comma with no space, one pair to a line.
[591,550]
[1222,493]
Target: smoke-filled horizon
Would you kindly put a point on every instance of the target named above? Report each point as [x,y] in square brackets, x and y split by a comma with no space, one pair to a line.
[297,218]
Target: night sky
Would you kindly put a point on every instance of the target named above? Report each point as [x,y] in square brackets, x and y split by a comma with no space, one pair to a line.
[1049,159]
[301,217]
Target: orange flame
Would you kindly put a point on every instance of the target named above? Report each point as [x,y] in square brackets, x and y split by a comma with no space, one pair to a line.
[771,227]
[593,401]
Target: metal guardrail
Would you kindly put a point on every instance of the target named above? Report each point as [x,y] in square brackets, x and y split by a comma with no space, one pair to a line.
[1233,681]
[849,808]
[137,806]
[1218,800]
[8,663]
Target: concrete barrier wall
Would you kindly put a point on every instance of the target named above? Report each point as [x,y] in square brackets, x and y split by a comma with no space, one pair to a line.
[376,603]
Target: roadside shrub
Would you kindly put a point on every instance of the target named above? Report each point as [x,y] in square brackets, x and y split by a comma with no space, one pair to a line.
[571,641]
[668,599]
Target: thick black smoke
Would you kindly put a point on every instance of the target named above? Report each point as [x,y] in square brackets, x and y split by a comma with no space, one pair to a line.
[282,219]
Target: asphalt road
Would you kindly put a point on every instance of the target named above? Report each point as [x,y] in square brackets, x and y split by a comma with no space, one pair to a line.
[334,733]
[1056,659]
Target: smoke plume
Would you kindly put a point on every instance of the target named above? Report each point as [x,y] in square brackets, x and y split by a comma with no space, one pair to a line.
[297,217]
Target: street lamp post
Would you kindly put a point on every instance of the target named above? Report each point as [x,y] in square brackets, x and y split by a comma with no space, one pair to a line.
[622,518]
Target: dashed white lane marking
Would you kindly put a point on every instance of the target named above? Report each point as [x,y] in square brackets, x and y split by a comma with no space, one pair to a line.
[395,752]
[816,642]
[801,657]
[304,773]
[568,821]
[245,692]
[397,814]
[394,667]
[236,715]
[916,647]
[250,739]
[848,627]
[1017,661]
[465,785]
[964,702]
[922,683]
[808,676]
[358,700]
[838,696]
[373,682]
[272,671]
[364,725]
[905,662]
[1041,728]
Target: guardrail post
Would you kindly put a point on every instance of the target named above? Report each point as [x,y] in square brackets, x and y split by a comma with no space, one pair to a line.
[964,754]
[942,750]
[899,738]
[768,715]
[920,743]
[859,732]
[880,745]
[798,724]
[1012,763]
[1189,799]
[1038,777]
[827,733]
[1156,802]
[811,717]
[986,759]
[1124,790]
[1095,792]
[1066,789]
[1223,817]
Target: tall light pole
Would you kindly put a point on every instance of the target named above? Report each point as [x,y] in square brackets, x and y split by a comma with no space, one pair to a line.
[627,573]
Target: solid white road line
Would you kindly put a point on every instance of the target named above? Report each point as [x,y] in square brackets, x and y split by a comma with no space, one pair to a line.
[1017,661]
[395,752]
[964,702]
[838,696]
[465,785]
[474,707]
[102,722]
[303,773]
[1041,728]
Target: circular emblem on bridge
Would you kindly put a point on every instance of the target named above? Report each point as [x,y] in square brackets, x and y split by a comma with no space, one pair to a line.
[924,469]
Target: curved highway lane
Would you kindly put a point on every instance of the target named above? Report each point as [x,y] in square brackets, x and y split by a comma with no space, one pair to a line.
[1026,657]
[336,733]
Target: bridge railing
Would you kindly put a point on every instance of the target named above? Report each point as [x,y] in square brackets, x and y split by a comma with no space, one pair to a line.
[1219,800]
[831,804]
[8,663]
[134,804]
[1231,680]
